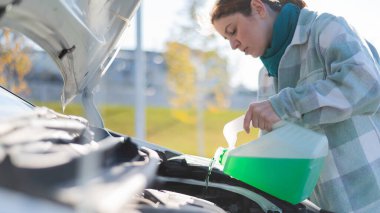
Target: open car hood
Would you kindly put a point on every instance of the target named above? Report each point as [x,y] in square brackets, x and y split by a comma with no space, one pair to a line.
[81,42]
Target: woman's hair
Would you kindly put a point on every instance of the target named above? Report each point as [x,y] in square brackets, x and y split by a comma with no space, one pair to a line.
[224,8]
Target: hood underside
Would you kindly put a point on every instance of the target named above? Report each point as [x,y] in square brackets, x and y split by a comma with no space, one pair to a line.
[81,36]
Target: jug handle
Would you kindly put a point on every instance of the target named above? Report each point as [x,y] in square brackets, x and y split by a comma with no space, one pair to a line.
[277,125]
[232,128]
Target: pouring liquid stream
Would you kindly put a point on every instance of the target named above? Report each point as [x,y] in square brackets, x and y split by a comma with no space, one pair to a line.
[211,165]
[230,133]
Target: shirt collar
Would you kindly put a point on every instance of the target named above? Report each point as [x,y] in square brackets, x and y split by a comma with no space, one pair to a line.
[305,22]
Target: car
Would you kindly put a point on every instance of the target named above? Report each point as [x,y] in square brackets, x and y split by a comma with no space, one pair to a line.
[51,162]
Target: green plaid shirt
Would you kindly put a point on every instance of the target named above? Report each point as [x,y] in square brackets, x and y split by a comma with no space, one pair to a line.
[329,81]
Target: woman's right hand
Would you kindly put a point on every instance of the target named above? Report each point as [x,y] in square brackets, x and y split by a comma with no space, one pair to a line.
[261,115]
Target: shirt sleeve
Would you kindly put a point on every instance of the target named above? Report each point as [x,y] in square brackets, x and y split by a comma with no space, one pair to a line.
[265,85]
[351,85]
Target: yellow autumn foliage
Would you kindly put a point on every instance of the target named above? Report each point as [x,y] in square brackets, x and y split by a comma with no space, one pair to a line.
[15,64]
[181,75]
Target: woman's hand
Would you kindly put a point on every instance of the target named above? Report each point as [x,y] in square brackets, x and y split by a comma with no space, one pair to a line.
[261,115]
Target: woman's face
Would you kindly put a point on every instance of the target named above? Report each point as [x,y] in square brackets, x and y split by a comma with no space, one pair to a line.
[250,34]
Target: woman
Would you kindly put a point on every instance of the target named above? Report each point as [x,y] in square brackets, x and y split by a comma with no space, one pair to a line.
[325,78]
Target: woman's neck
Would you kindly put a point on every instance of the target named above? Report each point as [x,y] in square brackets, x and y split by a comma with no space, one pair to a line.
[272,15]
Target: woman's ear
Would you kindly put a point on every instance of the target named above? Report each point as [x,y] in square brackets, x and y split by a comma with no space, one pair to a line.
[258,7]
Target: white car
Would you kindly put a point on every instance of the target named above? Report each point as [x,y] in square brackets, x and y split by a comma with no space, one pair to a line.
[51,162]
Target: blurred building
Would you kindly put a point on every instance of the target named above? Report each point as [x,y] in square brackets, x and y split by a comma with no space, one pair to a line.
[117,85]
[44,79]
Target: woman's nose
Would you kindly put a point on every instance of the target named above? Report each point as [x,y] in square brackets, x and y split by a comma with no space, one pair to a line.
[234,43]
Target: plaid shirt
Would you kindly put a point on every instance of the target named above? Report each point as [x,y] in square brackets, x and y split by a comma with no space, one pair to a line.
[328,81]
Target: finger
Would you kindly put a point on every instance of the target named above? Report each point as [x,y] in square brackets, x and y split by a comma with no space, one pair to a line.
[259,123]
[268,126]
[255,122]
[247,120]
[264,126]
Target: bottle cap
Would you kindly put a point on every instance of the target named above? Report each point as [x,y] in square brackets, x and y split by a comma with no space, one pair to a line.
[221,155]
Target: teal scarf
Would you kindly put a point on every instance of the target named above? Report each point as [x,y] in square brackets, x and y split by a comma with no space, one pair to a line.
[283,31]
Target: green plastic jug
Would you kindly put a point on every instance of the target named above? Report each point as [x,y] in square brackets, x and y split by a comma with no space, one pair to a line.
[285,162]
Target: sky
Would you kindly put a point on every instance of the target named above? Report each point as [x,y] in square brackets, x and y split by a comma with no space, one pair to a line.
[160,18]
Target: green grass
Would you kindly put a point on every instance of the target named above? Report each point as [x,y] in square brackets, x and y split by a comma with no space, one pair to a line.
[176,130]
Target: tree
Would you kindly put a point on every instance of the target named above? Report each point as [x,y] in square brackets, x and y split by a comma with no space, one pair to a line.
[216,80]
[181,75]
[14,62]
[195,65]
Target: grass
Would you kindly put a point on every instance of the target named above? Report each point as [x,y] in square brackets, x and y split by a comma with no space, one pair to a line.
[174,129]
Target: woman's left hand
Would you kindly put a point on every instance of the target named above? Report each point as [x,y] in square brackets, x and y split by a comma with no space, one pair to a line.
[261,115]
